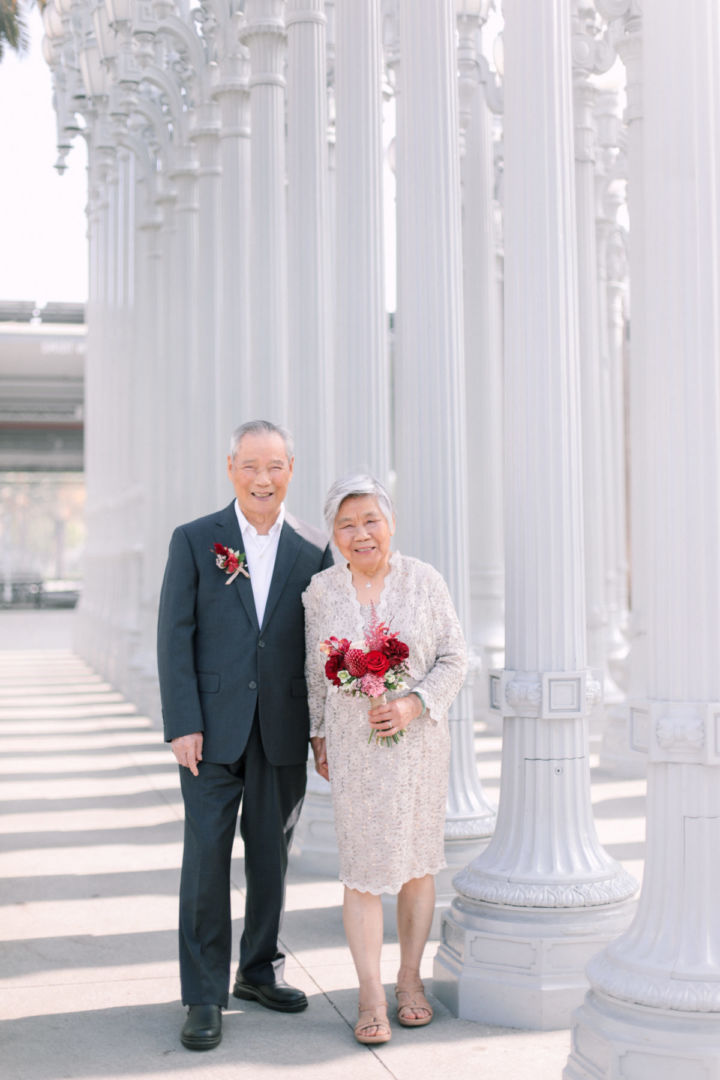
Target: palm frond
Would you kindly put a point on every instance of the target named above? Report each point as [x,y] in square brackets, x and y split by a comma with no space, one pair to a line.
[13,26]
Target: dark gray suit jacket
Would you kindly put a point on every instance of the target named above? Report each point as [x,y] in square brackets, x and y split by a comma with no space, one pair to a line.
[215,663]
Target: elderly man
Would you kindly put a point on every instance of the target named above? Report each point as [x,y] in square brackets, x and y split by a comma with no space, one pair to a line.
[231,652]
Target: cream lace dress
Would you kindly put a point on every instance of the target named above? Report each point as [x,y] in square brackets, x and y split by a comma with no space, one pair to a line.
[388,801]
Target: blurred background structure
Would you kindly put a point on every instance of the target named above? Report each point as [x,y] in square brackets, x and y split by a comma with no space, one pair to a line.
[42,489]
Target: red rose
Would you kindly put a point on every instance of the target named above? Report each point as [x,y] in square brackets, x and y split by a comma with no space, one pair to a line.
[333,664]
[377,663]
[395,651]
[232,563]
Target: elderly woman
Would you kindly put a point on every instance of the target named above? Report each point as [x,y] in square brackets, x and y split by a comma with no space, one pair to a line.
[388,796]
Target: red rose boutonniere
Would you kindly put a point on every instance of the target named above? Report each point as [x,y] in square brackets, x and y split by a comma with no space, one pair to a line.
[232,562]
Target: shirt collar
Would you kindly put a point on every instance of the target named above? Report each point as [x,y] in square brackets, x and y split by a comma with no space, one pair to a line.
[246,526]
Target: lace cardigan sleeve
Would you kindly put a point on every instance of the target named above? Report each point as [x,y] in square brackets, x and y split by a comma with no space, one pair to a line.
[317,684]
[440,685]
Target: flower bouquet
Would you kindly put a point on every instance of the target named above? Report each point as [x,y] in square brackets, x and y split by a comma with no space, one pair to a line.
[368,668]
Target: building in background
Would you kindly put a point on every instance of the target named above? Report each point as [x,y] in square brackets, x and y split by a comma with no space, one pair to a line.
[42,484]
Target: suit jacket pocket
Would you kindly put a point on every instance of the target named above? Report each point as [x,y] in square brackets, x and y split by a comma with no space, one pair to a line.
[298,688]
[208,682]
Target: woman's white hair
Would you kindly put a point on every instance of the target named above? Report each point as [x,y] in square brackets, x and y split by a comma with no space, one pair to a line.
[350,487]
[260,427]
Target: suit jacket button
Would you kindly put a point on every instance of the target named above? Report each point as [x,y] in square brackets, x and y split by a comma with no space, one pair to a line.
[261,644]
[253,685]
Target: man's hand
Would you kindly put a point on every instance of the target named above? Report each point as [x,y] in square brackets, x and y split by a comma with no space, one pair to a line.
[188,750]
[320,754]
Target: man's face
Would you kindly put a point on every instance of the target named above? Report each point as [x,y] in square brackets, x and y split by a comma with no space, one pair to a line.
[260,473]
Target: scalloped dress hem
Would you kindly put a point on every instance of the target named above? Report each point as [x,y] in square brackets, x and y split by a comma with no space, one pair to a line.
[391,890]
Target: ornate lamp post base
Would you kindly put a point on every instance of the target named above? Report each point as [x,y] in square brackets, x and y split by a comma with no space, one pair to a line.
[619,1038]
[520,967]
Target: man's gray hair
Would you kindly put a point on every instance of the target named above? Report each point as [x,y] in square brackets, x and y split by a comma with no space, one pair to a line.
[261,427]
[351,487]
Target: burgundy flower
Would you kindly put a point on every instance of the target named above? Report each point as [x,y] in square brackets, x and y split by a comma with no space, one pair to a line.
[377,663]
[395,651]
[333,664]
[339,646]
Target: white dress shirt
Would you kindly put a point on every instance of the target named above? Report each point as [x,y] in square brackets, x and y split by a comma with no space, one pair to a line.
[260,553]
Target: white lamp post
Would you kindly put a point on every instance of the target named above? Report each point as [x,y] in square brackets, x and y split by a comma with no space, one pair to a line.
[544,895]
[654,1005]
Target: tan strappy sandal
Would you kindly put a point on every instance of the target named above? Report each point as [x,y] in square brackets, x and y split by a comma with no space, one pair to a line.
[375,1017]
[410,1001]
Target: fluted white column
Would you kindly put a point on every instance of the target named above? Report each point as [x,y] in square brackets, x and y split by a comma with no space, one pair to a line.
[359,380]
[311,358]
[170,331]
[483,361]
[204,138]
[233,381]
[309,317]
[187,501]
[264,34]
[151,434]
[590,56]
[332,179]
[654,1005]
[544,895]
[627,34]
[616,753]
[127,508]
[88,622]
[429,377]
[620,750]
[362,376]
[616,294]
[612,271]
[109,536]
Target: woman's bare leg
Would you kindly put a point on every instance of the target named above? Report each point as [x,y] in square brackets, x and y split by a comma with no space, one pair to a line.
[363,922]
[415,908]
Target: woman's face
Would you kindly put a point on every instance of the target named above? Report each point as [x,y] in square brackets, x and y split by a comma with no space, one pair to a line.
[362,534]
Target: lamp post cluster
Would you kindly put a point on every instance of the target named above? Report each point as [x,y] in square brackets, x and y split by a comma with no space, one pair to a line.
[240,158]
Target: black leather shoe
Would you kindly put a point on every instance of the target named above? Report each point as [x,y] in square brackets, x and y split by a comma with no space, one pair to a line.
[277,995]
[202,1029]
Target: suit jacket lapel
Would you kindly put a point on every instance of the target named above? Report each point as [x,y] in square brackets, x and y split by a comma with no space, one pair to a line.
[232,538]
[288,547]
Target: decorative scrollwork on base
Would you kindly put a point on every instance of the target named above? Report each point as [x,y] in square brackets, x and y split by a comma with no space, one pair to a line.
[579,894]
[654,989]
[680,733]
[524,693]
[469,828]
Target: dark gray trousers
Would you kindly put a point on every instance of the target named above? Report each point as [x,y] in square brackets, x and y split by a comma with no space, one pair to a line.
[271,798]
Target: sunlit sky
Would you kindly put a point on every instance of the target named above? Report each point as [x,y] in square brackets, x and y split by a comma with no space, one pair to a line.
[43,246]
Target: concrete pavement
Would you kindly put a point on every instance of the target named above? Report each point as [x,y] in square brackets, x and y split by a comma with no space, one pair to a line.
[90,847]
